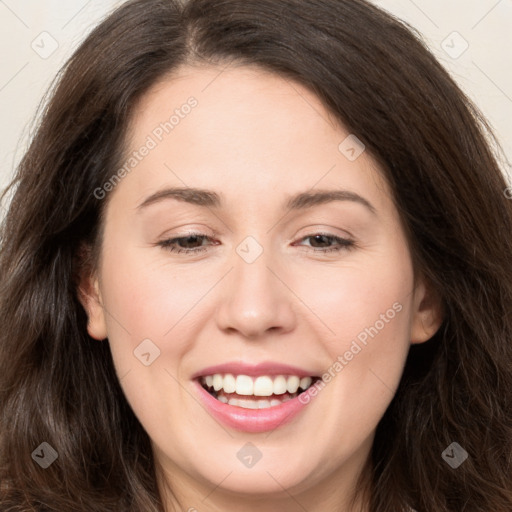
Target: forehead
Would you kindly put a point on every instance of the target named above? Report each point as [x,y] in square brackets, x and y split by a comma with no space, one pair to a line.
[232,96]
[249,132]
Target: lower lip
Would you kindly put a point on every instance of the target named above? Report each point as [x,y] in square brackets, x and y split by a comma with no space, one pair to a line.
[251,420]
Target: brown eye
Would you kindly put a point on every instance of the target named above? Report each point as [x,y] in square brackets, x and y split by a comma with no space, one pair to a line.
[325,238]
[176,244]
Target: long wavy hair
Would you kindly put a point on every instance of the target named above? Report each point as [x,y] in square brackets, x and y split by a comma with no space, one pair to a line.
[375,74]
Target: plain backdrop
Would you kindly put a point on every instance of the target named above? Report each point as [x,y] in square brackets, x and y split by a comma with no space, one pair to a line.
[471,38]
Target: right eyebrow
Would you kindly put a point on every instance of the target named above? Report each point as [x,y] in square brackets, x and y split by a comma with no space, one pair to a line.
[199,197]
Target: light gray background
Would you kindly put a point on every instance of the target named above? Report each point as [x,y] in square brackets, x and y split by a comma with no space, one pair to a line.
[29,28]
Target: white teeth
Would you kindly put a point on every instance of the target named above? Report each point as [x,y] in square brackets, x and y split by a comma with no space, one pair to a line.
[305,382]
[246,404]
[252,404]
[218,381]
[244,385]
[280,385]
[263,385]
[292,384]
[229,383]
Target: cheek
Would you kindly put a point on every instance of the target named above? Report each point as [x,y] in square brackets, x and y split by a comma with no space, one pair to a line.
[149,298]
[365,358]
[361,300]
[363,312]
[148,311]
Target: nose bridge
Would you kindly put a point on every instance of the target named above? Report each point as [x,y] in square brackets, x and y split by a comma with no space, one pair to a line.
[252,262]
[256,300]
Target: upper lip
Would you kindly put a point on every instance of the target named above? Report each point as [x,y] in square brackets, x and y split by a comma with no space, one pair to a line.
[254,370]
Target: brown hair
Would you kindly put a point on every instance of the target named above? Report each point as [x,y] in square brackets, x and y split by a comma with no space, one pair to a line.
[372,72]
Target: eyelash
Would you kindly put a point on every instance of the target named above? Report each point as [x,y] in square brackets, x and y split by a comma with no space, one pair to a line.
[344,243]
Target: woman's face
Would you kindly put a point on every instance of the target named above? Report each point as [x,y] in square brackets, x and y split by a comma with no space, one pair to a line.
[257,291]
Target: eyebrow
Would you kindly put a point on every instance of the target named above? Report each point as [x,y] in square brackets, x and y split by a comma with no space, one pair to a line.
[300,201]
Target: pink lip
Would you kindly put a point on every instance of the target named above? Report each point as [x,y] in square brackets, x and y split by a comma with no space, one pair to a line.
[253,370]
[251,420]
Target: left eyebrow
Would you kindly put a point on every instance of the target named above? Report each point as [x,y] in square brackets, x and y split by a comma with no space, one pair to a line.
[300,201]
[309,199]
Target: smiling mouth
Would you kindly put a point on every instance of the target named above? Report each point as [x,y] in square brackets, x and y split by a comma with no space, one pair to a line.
[260,392]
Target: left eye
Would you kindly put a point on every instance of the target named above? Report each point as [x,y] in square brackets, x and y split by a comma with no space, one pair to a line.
[173,244]
[342,243]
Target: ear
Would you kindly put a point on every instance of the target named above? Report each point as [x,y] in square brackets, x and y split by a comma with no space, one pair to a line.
[89,295]
[427,314]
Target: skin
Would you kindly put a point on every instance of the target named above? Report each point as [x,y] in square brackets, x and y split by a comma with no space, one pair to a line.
[254,138]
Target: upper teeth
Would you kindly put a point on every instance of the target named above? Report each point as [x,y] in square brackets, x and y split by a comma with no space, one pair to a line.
[258,386]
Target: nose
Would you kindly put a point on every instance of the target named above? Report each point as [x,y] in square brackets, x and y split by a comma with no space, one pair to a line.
[256,298]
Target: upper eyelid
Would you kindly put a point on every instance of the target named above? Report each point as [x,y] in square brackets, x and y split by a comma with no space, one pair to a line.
[212,237]
[311,230]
